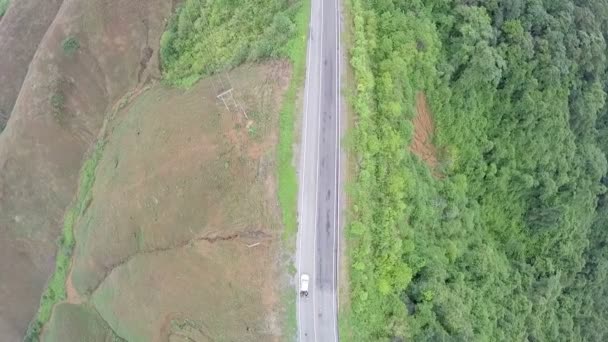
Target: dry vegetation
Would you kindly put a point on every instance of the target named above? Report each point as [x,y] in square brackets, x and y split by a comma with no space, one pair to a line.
[58,110]
[181,190]
[19,39]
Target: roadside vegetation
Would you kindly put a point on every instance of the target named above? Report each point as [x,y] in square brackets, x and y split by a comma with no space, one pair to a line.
[286,173]
[55,291]
[288,183]
[204,37]
[207,36]
[506,240]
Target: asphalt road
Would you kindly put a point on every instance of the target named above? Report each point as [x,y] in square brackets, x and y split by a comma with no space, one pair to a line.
[319,172]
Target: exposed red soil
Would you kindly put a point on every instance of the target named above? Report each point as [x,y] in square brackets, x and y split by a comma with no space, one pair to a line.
[422,144]
[72,294]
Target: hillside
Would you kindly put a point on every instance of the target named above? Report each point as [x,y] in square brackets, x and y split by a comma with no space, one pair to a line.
[57,115]
[130,208]
[19,40]
[481,217]
[177,230]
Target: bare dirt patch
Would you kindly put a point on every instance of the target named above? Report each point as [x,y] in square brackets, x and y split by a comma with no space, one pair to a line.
[181,237]
[422,144]
[73,297]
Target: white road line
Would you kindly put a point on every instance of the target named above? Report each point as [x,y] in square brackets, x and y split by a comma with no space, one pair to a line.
[337,177]
[314,253]
[302,172]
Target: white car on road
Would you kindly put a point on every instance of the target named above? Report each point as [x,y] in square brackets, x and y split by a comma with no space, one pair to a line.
[304,280]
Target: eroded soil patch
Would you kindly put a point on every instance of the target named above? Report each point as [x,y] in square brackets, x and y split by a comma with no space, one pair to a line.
[422,143]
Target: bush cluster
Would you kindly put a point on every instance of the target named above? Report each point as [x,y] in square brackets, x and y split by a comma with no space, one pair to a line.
[207,36]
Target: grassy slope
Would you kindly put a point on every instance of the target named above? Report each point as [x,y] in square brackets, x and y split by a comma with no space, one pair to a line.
[55,290]
[261,41]
[91,326]
[295,49]
[185,60]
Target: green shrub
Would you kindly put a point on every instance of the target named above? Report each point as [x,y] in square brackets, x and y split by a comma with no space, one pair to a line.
[70,45]
[57,101]
[3,7]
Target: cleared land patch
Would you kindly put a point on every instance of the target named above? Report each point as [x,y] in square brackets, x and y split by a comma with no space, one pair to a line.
[182,190]
[422,142]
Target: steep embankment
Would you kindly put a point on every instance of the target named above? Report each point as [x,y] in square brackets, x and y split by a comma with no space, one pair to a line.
[92,54]
[19,39]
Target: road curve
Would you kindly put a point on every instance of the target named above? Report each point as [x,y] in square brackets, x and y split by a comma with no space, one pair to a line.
[319,177]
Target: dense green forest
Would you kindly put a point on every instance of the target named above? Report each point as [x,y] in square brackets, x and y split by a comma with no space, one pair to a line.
[508,239]
[207,36]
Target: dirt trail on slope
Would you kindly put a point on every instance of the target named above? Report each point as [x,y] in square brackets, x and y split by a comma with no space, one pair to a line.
[422,143]
[57,115]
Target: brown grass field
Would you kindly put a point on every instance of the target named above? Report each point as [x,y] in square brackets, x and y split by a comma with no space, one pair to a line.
[19,39]
[57,114]
[182,190]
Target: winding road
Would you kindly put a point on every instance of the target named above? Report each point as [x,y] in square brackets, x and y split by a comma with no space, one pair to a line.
[319,172]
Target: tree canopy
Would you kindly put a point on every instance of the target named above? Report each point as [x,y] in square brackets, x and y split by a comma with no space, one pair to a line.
[206,36]
[510,243]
